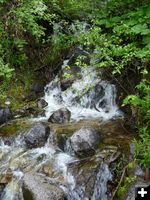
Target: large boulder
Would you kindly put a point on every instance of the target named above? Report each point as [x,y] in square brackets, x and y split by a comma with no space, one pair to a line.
[39,188]
[83,142]
[37,135]
[60,116]
[5,115]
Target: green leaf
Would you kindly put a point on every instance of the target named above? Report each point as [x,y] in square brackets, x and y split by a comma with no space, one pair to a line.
[140,29]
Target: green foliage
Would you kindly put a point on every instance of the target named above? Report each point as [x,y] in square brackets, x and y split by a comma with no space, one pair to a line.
[142,147]
[142,103]
[5,70]
[122,190]
[119,37]
[132,165]
[35,33]
[120,34]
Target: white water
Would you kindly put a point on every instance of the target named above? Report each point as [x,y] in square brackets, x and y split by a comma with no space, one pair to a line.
[19,160]
[88,97]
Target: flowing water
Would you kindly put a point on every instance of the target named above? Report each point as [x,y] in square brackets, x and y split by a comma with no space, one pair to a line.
[17,160]
[88,97]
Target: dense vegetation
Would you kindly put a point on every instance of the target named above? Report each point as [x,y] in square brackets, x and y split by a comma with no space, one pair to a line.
[37,33]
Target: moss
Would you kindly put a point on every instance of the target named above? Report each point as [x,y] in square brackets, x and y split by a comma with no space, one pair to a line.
[9,129]
[14,127]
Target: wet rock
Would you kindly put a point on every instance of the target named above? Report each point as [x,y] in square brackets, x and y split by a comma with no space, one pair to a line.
[37,135]
[41,103]
[40,188]
[2,187]
[28,110]
[5,115]
[83,142]
[72,68]
[60,116]
[92,181]
[66,83]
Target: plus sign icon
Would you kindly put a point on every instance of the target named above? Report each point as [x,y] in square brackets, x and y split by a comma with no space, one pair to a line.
[142,193]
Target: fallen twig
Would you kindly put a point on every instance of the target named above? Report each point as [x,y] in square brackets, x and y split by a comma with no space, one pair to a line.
[121,179]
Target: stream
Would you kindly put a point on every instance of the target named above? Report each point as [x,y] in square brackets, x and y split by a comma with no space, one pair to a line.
[51,171]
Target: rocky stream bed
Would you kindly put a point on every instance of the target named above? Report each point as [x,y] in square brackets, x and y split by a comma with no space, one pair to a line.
[75,149]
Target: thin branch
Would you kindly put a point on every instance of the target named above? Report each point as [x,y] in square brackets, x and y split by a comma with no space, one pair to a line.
[121,179]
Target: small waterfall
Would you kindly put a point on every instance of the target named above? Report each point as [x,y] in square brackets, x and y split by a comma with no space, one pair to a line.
[100,187]
[88,97]
[78,192]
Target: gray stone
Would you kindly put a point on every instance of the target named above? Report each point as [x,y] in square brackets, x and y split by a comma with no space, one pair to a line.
[138,171]
[37,135]
[60,116]
[5,115]
[41,189]
[84,141]
[41,103]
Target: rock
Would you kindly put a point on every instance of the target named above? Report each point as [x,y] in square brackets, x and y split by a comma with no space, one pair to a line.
[83,142]
[91,177]
[60,116]
[138,171]
[66,83]
[76,54]
[72,68]
[41,103]
[41,189]
[37,135]
[37,87]
[5,115]
[27,110]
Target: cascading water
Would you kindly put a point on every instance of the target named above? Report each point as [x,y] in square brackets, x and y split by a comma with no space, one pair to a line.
[87,97]
[19,160]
